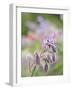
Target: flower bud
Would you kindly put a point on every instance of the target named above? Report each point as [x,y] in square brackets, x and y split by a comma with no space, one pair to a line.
[37,59]
[54,48]
[53,58]
[46,67]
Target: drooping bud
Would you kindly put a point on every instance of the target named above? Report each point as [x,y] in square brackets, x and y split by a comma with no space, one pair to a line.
[46,67]
[37,58]
[53,58]
[54,48]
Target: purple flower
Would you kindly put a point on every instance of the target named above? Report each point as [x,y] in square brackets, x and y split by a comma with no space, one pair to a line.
[40,19]
[51,43]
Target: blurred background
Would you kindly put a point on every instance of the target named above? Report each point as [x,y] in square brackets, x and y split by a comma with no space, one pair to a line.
[35,28]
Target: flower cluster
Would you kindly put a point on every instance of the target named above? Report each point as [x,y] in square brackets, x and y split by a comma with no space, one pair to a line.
[48,55]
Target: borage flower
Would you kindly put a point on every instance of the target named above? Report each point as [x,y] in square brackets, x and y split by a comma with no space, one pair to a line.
[50,55]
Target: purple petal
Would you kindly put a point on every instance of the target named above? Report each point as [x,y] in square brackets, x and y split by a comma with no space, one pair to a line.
[53,58]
